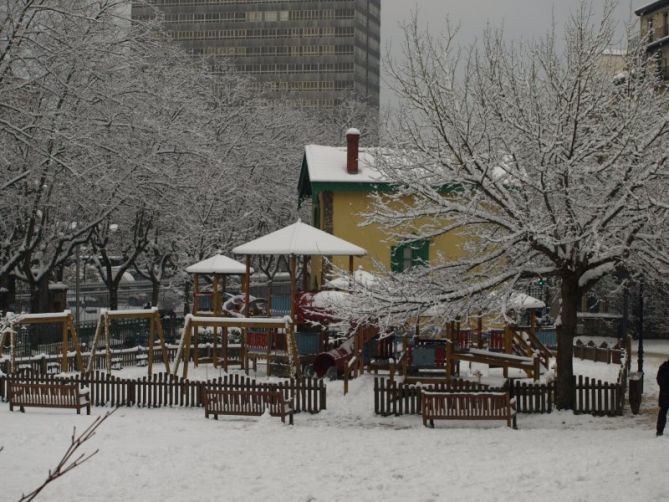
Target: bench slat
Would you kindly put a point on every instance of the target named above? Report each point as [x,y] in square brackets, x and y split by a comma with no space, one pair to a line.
[467,406]
[246,402]
[47,395]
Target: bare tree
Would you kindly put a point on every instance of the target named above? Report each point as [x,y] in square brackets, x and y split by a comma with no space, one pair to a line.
[96,114]
[68,461]
[542,163]
[116,247]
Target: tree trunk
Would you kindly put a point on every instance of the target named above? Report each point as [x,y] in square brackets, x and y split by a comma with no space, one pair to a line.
[566,330]
[39,296]
[112,290]
[155,291]
[7,292]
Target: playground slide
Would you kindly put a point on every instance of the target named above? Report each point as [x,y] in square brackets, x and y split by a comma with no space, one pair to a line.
[338,357]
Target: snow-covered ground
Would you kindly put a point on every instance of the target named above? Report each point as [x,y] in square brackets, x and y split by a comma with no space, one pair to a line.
[343,453]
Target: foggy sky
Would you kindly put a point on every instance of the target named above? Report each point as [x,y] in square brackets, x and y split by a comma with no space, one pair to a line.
[521,19]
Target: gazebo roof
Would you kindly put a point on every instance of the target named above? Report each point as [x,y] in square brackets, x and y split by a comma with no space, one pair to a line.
[217,264]
[521,301]
[300,239]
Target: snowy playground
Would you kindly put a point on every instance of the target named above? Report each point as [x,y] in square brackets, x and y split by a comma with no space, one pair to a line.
[345,452]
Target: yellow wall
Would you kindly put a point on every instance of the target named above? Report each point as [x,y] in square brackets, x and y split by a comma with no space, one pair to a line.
[347,207]
[660,28]
[658,20]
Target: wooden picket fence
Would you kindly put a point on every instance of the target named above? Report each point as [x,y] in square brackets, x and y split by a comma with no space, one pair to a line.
[603,353]
[397,398]
[591,396]
[160,390]
[134,356]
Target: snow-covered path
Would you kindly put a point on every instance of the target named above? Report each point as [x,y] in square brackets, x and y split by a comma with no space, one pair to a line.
[344,453]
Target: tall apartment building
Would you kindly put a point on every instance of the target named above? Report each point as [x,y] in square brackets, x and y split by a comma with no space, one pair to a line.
[315,52]
[654,20]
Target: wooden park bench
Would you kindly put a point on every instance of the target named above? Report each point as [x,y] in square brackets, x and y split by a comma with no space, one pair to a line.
[246,402]
[48,395]
[468,406]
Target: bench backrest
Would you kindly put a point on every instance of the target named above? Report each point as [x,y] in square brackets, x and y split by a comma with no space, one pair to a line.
[466,405]
[244,402]
[46,393]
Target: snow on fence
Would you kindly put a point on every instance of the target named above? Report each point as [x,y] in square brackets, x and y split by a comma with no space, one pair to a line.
[134,356]
[591,396]
[162,390]
[598,354]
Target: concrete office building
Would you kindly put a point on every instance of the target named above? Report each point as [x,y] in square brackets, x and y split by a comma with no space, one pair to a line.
[315,52]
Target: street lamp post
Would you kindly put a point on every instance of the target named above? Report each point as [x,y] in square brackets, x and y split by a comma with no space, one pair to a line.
[640,350]
[73,227]
[76,288]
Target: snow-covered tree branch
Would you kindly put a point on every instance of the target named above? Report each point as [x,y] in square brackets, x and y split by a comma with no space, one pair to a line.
[539,158]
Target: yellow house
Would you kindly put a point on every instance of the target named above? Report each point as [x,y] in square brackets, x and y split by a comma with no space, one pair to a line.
[339,180]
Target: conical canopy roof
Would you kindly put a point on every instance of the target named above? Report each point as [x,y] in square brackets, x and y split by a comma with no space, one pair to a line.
[217,264]
[300,239]
[520,301]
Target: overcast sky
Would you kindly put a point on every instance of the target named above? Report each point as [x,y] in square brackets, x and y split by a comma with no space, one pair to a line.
[522,19]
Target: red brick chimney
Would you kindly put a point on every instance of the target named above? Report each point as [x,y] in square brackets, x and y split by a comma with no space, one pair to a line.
[352,144]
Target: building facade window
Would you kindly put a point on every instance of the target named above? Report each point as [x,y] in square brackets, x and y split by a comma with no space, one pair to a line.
[407,256]
[286,38]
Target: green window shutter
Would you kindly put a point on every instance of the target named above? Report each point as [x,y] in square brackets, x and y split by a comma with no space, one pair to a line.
[414,254]
[421,253]
[396,258]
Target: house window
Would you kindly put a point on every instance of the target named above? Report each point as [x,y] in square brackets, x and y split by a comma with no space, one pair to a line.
[406,256]
[650,30]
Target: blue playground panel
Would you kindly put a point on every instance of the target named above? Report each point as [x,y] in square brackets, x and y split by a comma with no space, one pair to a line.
[423,357]
[280,305]
[548,337]
[308,343]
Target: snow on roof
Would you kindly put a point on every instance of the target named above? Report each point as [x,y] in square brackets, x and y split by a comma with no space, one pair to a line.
[45,315]
[521,301]
[328,164]
[649,7]
[360,276]
[300,239]
[327,299]
[217,264]
[57,285]
[612,51]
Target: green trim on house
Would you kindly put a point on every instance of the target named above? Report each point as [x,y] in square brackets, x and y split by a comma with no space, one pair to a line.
[304,183]
[306,188]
